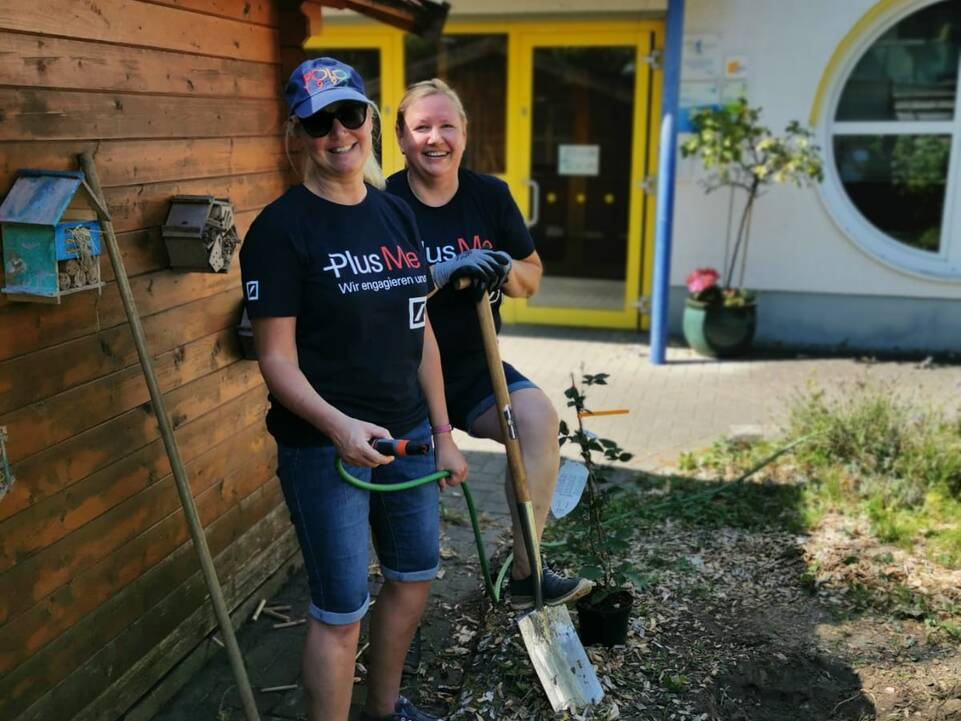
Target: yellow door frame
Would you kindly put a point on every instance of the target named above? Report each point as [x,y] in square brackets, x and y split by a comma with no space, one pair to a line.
[639,36]
[522,37]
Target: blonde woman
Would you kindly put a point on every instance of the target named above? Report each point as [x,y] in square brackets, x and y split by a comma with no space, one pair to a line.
[336,281]
[463,215]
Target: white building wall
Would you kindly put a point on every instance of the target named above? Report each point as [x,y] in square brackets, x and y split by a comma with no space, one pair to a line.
[795,244]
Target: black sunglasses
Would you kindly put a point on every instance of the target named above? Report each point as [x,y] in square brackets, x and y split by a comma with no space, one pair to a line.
[350,114]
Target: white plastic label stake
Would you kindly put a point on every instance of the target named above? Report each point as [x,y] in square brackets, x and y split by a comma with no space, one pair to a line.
[570,486]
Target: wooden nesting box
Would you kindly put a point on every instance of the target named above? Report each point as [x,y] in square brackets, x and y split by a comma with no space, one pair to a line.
[51,236]
[200,233]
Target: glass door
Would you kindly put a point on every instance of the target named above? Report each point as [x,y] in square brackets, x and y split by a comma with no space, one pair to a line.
[582,113]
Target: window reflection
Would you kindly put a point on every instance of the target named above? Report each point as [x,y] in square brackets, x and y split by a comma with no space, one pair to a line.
[898,183]
[910,72]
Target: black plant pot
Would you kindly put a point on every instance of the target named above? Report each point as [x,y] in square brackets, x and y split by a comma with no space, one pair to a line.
[604,623]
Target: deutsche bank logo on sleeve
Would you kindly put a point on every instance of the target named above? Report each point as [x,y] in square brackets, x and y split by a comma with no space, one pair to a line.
[253,290]
[417,308]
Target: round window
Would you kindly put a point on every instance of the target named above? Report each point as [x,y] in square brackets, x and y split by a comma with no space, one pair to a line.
[894,131]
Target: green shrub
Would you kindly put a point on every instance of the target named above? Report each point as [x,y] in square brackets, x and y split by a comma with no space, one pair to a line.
[890,448]
[870,451]
[865,430]
[934,455]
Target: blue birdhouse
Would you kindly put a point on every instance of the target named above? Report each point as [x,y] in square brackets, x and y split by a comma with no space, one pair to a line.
[51,236]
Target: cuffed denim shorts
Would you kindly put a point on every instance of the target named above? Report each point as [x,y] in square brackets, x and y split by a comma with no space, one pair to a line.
[471,395]
[332,518]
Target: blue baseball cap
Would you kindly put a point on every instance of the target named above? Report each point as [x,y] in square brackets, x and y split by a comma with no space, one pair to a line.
[318,82]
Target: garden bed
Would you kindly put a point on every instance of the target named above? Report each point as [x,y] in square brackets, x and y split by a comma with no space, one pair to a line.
[777,598]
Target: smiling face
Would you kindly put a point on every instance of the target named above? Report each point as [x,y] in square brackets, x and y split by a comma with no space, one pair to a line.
[433,137]
[340,155]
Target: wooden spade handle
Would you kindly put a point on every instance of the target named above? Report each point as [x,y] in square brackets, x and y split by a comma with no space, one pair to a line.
[502,400]
[515,460]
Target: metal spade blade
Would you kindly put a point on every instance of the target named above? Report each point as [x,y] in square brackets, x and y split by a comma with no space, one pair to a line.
[566,674]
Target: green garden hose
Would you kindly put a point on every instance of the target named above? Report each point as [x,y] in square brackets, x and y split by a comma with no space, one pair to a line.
[493,591]
[493,587]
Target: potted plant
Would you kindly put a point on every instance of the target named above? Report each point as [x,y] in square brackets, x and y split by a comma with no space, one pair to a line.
[741,154]
[602,542]
[718,322]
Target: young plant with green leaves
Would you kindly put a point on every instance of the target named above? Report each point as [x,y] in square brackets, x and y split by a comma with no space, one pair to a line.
[605,542]
[740,153]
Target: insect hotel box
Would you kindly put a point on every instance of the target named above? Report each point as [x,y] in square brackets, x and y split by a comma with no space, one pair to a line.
[51,236]
[200,233]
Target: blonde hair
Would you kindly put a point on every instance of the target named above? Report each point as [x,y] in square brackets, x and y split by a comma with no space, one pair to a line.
[373,173]
[424,89]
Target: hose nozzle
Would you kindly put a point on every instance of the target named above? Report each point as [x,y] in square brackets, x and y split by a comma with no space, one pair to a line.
[399,447]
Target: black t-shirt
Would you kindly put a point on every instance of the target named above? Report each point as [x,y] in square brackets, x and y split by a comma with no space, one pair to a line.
[482,214]
[356,279]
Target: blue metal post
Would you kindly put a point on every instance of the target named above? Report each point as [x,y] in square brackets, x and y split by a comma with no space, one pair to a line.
[665,180]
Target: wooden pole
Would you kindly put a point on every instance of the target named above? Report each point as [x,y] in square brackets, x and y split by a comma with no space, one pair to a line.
[170,443]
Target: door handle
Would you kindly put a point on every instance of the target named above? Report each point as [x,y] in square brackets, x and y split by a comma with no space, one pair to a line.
[535,196]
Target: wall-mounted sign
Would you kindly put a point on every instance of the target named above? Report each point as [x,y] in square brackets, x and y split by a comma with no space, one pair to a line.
[698,94]
[701,57]
[695,95]
[579,160]
[735,67]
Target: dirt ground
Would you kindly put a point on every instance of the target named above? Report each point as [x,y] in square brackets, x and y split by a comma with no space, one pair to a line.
[747,625]
[736,625]
[272,656]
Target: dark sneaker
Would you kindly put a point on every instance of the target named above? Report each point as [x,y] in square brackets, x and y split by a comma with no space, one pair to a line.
[403,711]
[412,660]
[557,590]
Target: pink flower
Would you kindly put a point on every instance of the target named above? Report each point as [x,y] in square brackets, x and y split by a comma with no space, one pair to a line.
[701,279]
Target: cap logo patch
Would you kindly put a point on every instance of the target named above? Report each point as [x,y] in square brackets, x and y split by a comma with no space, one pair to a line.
[320,78]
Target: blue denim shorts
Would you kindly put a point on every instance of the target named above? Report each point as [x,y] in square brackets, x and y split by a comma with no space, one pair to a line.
[471,394]
[332,517]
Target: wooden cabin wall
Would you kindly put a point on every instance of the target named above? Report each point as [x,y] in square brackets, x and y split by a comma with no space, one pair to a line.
[100,589]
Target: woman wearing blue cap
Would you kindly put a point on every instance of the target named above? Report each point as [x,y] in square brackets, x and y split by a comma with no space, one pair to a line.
[336,285]
[463,214]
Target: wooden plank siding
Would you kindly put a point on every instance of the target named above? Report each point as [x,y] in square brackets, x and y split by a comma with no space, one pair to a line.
[66,63]
[142,24]
[52,518]
[259,12]
[39,114]
[100,591]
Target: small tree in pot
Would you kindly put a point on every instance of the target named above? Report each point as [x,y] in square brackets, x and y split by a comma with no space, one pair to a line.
[739,153]
[603,615]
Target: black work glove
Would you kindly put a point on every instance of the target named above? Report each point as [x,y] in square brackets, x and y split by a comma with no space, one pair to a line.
[472,264]
[486,269]
[502,269]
